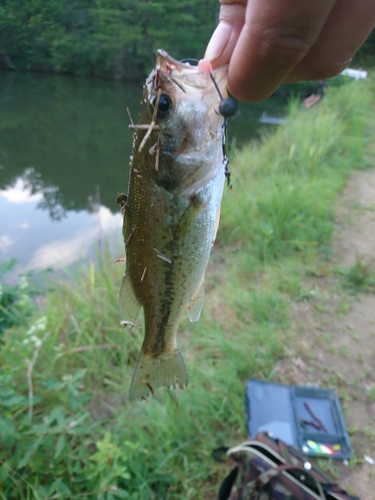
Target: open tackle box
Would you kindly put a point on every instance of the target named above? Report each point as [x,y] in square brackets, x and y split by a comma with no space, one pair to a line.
[307,417]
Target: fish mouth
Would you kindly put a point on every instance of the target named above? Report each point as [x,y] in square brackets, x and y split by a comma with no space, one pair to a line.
[184,73]
[167,64]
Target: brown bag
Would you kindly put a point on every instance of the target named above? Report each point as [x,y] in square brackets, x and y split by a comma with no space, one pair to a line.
[268,469]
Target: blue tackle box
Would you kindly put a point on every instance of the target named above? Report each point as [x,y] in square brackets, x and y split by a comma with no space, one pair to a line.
[307,417]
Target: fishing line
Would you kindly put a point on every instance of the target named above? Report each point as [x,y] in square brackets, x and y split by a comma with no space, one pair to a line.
[227,109]
[189,60]
[216,86]
[225,156]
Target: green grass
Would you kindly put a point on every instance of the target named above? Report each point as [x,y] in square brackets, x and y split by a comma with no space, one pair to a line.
[284,188]
[67,430]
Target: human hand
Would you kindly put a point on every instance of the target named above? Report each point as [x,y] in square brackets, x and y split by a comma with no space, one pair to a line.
[269,42]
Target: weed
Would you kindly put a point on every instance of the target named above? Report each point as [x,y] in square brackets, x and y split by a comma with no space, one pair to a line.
[360,277]
[343,307]
[371,394]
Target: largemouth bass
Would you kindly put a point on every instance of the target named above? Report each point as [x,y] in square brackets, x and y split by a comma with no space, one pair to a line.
[171,213]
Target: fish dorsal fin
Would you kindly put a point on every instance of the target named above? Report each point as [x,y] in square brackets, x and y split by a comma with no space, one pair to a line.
[194,307]
[128,304]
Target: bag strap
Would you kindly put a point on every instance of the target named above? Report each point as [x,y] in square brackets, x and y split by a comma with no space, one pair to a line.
[271,473]
[334,492]
[227,485]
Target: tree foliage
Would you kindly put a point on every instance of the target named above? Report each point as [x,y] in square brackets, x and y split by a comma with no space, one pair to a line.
[366,54]
[111,38]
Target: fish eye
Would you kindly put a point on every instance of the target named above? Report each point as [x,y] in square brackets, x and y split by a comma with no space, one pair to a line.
[164,107]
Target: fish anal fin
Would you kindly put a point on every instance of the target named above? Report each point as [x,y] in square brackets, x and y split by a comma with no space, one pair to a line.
[194,307]
[129,306]
[151,373]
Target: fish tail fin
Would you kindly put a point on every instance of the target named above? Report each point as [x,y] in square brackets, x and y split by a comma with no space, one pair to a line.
[151,373]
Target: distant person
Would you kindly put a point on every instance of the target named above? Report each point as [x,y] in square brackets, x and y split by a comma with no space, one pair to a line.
[314,98]
[321,87]
[269,42]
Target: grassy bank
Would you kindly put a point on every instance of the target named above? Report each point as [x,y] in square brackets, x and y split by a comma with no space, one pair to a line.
[67,430]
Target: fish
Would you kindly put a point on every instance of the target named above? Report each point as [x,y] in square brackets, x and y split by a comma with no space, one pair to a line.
[171,213]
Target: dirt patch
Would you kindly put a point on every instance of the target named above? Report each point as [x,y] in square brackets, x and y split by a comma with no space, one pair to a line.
[337,332]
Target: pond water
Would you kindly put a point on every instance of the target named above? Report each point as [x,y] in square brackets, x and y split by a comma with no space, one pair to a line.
[64,149]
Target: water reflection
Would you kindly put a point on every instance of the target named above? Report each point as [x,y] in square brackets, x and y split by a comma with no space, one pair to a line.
[38,241]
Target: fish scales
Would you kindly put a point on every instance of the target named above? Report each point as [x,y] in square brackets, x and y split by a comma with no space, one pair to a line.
[171,215]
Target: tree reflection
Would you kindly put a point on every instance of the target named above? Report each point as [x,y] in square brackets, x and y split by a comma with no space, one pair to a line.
[52,200]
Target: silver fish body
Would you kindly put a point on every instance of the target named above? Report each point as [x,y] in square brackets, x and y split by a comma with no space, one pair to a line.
[171,214]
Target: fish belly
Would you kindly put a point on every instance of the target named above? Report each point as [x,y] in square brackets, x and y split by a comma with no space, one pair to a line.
[169,243]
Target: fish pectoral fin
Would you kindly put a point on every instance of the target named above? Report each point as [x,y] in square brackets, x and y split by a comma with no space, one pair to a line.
[128,304]
[194,307]
[151,373]
[217,221]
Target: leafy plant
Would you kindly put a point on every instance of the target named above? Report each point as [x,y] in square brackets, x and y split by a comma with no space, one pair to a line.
[15,300]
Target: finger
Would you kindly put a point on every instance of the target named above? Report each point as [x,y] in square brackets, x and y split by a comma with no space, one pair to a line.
[347,27]
[276,36]
[231,20]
